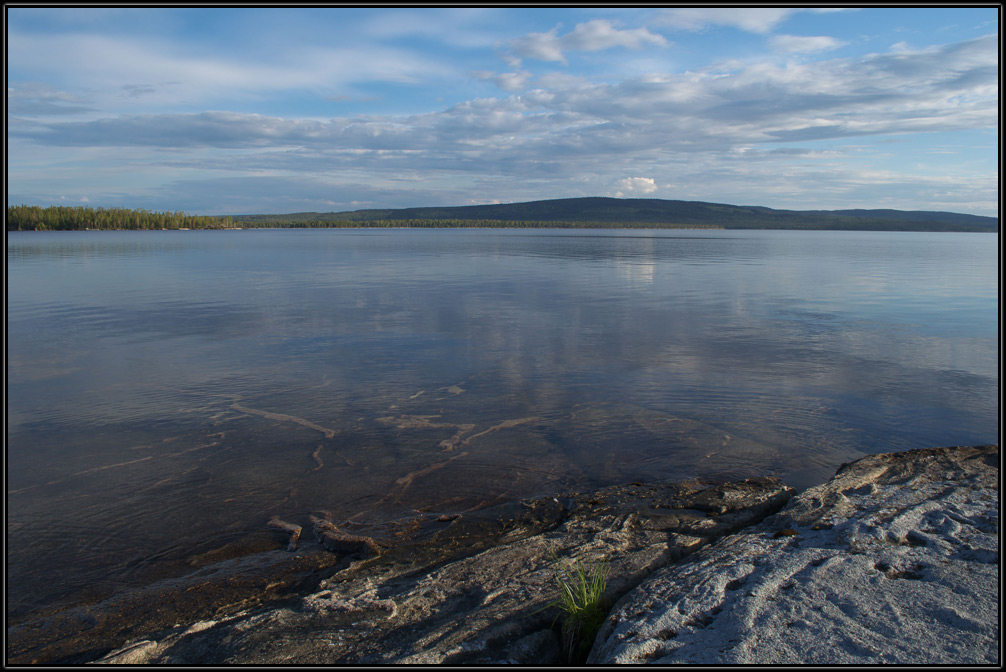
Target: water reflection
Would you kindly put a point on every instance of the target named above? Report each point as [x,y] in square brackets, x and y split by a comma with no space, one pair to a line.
[168,392]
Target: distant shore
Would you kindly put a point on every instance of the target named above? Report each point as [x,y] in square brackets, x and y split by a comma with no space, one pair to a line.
[568,213]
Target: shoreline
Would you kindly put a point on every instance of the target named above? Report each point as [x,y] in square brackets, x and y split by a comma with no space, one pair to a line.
[682,227]
[489,570]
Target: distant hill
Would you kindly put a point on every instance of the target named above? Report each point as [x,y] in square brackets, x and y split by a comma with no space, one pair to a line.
[633,213]
[980,222]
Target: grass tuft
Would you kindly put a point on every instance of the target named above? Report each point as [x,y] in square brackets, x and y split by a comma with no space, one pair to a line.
[581,601]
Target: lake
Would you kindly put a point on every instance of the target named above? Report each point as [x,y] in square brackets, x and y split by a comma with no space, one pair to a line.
[168,392]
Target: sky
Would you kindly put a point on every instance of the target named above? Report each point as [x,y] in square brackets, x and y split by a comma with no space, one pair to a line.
[320,109]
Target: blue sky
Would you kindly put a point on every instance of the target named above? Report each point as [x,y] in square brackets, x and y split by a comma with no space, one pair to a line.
[262,110]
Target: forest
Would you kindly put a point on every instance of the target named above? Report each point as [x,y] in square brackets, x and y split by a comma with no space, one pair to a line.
[581,213]
[636,213]
[62,218]
[78,218]
[288,222]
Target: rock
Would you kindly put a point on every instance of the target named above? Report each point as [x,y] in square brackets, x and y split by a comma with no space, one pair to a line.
[80,634]
[293,530]
[134,654]
[334,539]
[484,602]
[894,560]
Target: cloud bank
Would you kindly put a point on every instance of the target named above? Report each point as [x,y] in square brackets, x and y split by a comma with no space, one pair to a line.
[543,132]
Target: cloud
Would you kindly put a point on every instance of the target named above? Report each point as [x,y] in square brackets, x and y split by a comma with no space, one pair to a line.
[642,185]
[751,19]
[600,34]
[799,44]
[590,36]
[108,65]
[137,90]
[508,81]
[284,194]
[206,129]
[467,27]
[568,134]
[539,46]
[33,99]
[571,123]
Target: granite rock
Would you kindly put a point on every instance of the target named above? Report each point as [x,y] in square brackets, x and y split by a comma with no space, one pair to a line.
[894,560]
[488,602]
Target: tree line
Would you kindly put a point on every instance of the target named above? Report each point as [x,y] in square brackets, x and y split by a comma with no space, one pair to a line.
[280,223]
[683,215]
[80,218]
[599,212]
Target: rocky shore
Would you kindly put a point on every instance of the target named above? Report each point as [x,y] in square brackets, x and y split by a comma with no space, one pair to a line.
[894,560]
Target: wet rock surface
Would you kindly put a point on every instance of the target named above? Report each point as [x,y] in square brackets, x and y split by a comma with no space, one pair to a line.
[686,560]
[83,633]
[470,588]
[894,560]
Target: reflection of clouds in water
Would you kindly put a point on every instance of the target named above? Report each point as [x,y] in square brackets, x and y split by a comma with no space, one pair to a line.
[639,265]
[642,356]
[974,356]
[637,272]
[821,350]
[551,316]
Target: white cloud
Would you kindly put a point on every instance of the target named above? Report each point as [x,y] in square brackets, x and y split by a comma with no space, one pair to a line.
[641,185]
[106,65]
[600,34]
[33,99]
[572,120]
[801,44]
[512,81]
[751,19]
[539,46]
[468,27]
[682,129]
[590,36]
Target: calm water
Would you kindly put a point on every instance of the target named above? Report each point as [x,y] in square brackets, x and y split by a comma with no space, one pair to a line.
[169,392]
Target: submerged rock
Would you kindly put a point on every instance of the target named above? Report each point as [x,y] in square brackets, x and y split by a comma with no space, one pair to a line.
[334,539]
[293,530]
[894,560]
[477,590]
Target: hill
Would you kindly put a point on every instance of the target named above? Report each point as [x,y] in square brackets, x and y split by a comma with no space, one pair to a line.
[632,213]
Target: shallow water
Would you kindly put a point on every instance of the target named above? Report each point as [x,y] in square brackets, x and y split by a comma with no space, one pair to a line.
[169,392]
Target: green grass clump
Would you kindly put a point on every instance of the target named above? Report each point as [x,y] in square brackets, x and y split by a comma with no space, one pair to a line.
[581,601]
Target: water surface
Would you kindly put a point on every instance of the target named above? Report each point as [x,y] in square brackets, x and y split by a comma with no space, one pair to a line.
[169,392]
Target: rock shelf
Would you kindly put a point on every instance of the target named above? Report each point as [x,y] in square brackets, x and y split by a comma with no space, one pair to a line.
[895,560]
